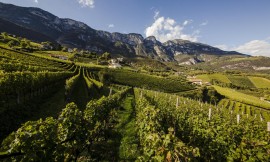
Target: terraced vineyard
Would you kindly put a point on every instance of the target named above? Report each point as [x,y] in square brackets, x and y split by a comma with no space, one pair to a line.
[210,77]
[56,110]
[26,81]
[243,98]
[136,79]
[245,109]
[188,129]
[11,61]
[260,82]
[241,81]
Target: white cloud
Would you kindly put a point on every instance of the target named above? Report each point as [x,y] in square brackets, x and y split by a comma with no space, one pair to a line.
[111,26]
[204,23]
[165,29]
[186,22]
[156,15]
[255,48]
[87,3]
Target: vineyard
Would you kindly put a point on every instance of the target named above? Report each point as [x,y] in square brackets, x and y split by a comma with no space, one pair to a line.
[237,81]
[249,110]
[204,132]
[260,82]
[57,110]
[241,97]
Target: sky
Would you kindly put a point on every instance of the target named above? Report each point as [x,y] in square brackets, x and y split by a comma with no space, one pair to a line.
[241,25]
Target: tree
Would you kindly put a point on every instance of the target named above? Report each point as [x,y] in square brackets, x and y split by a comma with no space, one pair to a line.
[47,45]
[64,49]
[106,56]
[213,95]
[12,43]
[25,43]
[5,35]
[75,50]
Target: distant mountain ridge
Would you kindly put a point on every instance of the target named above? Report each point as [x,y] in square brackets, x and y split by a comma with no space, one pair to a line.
[76,34]
[9,27]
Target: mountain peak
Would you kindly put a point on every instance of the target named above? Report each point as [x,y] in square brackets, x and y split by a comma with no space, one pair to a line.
[151,38]
[178,41]
[75,34]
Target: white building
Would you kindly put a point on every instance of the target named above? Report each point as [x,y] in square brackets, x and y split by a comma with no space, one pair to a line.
[114,64]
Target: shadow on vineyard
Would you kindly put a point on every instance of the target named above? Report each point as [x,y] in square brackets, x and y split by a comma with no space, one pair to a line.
[47,104]
[79,94]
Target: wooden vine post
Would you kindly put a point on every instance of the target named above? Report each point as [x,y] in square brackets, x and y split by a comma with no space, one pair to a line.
[177,102]
[209,113]
[110,91]
[261,117]
[238,118]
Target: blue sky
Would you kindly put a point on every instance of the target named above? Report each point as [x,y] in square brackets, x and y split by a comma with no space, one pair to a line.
[242,25]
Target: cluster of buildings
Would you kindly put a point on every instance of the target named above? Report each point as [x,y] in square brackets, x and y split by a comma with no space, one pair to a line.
[197,81]
[115,63]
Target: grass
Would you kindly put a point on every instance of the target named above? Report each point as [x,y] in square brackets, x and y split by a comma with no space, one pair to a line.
[122,141]
[260,82]
[241,97]
[128,149]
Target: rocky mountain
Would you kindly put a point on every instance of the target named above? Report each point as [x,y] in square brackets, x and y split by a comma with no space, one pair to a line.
[75,34]
[6,26]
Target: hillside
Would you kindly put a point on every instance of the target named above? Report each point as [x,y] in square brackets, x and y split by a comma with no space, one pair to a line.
[71,33]
[55,106]
[11,28]
[58,107]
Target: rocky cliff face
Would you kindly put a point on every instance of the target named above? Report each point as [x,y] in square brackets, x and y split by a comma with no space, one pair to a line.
[73,34]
